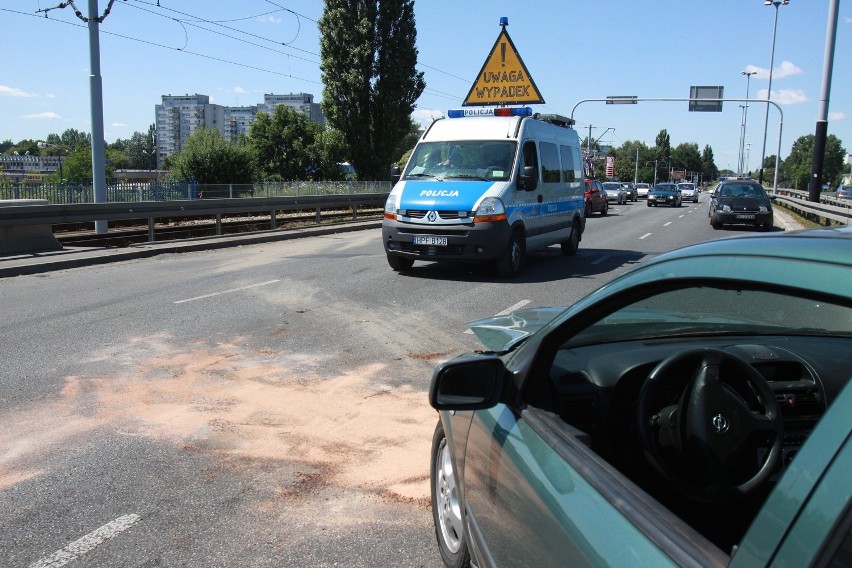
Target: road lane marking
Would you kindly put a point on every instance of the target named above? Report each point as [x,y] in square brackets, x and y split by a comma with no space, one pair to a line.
[226,291]
[601,259]
[507,311]
[682,216]
[645,236]
[87,543]
[667,224]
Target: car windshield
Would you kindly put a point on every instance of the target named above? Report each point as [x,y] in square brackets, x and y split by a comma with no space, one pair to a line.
[487,160]
[664,187]
[707,311]
[743,190]
[614,186]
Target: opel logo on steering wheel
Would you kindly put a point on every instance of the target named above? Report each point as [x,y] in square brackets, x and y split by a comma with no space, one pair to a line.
[720,424]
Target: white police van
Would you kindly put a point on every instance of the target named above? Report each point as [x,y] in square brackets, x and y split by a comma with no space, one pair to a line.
[487,185]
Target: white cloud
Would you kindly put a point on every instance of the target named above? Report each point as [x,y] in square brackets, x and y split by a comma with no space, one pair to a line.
[118,124]
[836,116]
[43,116]
[269,19]
[13,92]
[786,69]
[784,97]
[425,116]
[240,90]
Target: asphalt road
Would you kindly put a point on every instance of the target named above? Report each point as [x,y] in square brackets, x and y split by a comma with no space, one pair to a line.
[255,406]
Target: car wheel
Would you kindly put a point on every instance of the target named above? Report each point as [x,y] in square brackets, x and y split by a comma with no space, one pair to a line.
[648,203]
[716,225]
[605,209]
[400,263]
[569,247]
[446,507]
[695,199]
[588,210]
[511,261]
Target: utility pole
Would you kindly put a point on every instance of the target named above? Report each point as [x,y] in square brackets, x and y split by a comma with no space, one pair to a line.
[95,98]
[822,122]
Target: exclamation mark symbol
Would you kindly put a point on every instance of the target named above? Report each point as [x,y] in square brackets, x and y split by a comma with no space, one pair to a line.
[502,55]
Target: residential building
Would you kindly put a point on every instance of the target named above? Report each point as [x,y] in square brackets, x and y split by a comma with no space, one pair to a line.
[177,117]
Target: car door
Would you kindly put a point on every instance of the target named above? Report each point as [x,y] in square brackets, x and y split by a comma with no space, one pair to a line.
[537,496]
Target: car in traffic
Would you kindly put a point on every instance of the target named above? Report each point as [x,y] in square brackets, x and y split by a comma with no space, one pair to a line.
[844,192]
[740,201]
[630,188]
[640,427]
[642,189]
[595,197]
[688,192]
[614,192]
[664,194]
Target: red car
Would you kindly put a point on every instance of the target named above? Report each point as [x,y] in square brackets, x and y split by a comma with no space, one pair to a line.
[595,197]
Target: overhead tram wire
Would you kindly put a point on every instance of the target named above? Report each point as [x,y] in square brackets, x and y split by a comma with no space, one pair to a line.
[155,44]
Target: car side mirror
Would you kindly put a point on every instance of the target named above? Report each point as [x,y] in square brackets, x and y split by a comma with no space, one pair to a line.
[396,173]
[528,180]
[469,382]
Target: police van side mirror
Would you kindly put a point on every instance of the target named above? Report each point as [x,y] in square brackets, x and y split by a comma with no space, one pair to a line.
[396,173]
[529,178]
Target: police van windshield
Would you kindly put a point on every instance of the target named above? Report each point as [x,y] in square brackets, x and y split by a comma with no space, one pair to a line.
[487,160]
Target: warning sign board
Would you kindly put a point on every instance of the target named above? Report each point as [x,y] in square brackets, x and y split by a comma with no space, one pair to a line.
[504,79]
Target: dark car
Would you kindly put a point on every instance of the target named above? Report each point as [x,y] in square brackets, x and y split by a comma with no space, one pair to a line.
[595,197]
[844,192]
[632,193]
[740,202]
[664,194]
[642,428]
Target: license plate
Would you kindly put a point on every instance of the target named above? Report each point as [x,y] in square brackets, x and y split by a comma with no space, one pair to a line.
[431,241]
[745,216]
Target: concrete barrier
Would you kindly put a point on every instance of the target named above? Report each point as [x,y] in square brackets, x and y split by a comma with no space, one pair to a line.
[18,239]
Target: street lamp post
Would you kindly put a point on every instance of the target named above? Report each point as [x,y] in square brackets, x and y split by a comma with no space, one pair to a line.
[775,3]
[748,75]
[655,169]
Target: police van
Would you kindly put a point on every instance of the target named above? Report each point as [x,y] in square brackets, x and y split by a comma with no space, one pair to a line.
[487,185]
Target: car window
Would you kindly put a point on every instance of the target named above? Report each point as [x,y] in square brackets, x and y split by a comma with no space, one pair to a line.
[676,314]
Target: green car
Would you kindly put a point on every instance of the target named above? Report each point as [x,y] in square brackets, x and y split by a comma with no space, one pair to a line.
[695,411]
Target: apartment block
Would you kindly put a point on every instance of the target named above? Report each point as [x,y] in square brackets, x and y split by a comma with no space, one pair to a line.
[177,117]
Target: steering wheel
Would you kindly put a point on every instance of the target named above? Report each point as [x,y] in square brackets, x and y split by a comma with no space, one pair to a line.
[710,424]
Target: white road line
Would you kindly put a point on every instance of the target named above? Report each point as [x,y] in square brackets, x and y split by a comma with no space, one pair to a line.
[645,236]
[682,216]
[226,292]
[508,310]
[601,259]
[86,544]
[667,224]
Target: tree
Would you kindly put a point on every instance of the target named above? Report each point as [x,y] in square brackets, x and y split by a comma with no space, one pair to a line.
[709,171]
[78,164]
[685,157]
[208,158]
[284,145]
[797,167]
[140,150]
[368,61]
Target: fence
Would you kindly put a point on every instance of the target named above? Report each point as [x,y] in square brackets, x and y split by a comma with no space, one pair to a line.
[829,209]
[135,192]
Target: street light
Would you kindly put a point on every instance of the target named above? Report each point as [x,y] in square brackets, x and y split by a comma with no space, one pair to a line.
[655,170]
[775,3]
[748,75]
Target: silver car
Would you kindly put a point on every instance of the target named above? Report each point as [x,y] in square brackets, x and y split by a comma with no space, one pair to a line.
[688,192]
[642,189]
[614,192]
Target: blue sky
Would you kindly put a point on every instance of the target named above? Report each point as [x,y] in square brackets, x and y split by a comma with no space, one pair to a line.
[574,50]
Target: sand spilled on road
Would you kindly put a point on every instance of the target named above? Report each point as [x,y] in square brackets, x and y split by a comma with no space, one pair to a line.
[241,406]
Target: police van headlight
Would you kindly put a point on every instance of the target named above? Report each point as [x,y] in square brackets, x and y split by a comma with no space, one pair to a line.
[491,209]
[726,209]
[763,209]
[390,207]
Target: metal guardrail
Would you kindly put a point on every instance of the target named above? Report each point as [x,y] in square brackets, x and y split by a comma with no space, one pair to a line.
[828,209]
[17,216]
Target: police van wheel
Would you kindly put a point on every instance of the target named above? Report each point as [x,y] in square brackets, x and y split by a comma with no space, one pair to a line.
[569,247]
[511,261]
[400,263]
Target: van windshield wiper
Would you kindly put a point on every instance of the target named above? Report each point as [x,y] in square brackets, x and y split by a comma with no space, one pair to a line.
[467,176]
[420,175]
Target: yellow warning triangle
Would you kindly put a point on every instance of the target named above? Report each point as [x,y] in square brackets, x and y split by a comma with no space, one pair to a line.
[504,79]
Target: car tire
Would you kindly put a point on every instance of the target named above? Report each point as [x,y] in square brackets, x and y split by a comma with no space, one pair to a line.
[569,247]
[605,209]
[588,209]
[695,199]
[716,225]
[446,508]
[511,261]
[648,203]
[400,263]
